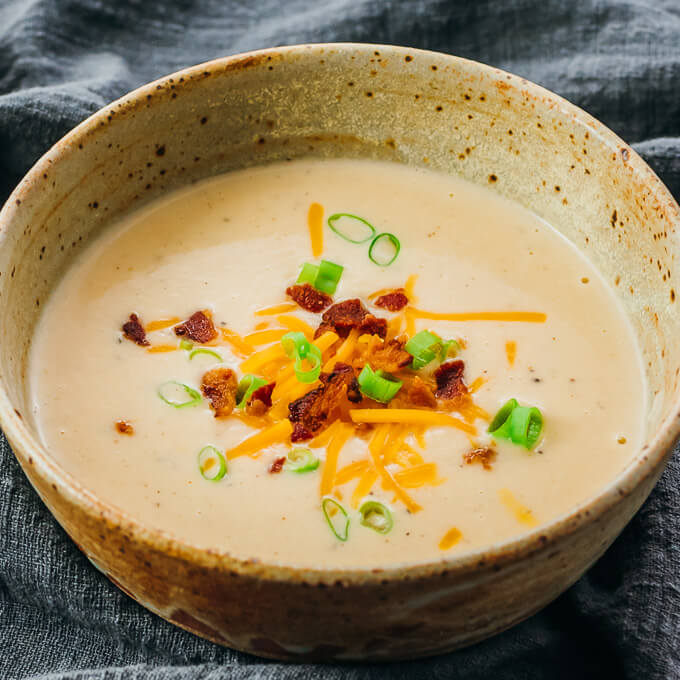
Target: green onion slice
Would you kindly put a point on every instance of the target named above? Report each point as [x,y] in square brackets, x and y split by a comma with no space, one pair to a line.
[175,394]
[296,346]
[376,386]
[376,516]
[301,460]
[519,424]
[328,277]
[339,524]
[352,228]
[384,249]
[186,344]
[211,464]
[424,347]
[203,350]
[308,273]
[449,349]
[247,385]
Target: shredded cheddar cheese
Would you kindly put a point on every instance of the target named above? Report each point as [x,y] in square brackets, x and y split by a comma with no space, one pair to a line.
[410,416]
[161,323]
[511,351]
[418,475]
[362,489]
[292,323]
[450,538]
[277,309]
[526,317]
[350,472]
[236,341]
[159,349]
[265,337]
[315,224]
[342,433]
[522,514]
[274,434]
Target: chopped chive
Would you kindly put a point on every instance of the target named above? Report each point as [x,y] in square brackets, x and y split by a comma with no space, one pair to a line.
[296,346]
[376,516]
[424,348]
[328,277]
[345,225]
[376,386]
[308,273]
[211,464]
[186,344]
[521,425]
[384,249]
[339,528]
[247,385]
[203,350]
[172,391]
[301,460]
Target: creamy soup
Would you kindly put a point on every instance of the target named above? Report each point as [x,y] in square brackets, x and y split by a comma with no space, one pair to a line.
[361,434]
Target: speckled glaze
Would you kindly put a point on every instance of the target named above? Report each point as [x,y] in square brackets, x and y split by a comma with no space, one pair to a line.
[392,103]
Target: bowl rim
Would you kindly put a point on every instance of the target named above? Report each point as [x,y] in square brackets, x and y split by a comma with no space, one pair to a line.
[522,545]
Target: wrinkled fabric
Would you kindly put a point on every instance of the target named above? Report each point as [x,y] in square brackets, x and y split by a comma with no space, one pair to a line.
[60,60]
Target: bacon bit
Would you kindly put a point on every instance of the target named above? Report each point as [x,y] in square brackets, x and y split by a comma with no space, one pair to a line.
[124,427]
[309,298]
[450,384]
[198,327]
[389,356]
[343,316]
[260,400]
[314,411]
[219,386]
[415,393]
[484,456]
[134,330]
[277,465]
[394,301]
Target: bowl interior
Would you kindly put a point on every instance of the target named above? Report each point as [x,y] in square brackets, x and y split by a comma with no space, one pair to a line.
[387,103]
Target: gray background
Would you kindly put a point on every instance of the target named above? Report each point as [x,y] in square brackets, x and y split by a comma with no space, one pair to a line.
[60,60]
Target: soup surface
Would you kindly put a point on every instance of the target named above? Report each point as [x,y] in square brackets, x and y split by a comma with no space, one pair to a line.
[376,478]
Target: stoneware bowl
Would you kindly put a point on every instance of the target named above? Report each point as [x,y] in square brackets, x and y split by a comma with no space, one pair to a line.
[406,106]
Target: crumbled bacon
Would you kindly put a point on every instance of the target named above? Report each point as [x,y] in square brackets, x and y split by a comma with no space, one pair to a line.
[394,301]
[450,384]
[198,327]
[311,413]
[343,316]
[415,393]
[219,386]
[133,330]
[389,356]
[260,400]
[309,298]
[124,427]
[277,465]
[484,456]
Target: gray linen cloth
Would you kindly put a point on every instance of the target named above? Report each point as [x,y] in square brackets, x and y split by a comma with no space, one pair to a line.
[60,60]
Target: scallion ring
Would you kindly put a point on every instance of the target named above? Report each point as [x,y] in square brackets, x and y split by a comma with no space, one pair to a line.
[449,349]
[172,391]
[211,464]
[384,249]
[352,224]
[301,460]
[203,350]
[519,424]
[186,344]
[376,516]
[328,276]
[376,386]
[296,346]
[247,385]
[424,348]
[340,528]
[308,273]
